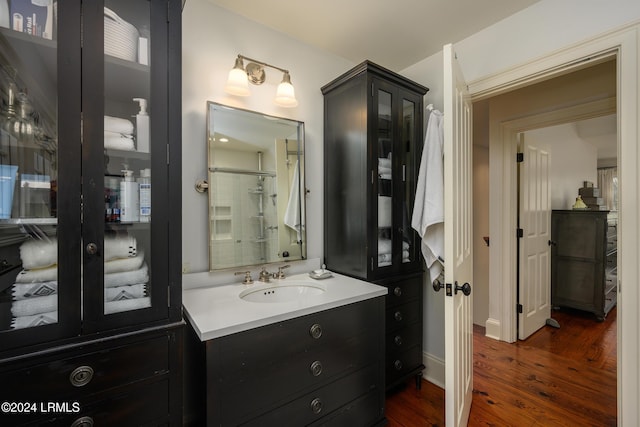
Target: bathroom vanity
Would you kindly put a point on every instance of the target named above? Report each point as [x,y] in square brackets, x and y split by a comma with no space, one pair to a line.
[314,357]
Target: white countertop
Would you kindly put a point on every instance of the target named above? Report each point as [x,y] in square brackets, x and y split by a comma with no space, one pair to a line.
[217,311]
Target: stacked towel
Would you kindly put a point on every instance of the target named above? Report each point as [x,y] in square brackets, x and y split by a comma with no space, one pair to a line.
[385,255]
[35,291]
[384,168]
[118,134]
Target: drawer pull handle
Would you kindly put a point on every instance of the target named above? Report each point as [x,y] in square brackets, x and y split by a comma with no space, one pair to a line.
[81,376]
[316,368]
[398,316]
[397,291]
[398,365]
[316,405]
[316,331]
[83,422]
[398,340]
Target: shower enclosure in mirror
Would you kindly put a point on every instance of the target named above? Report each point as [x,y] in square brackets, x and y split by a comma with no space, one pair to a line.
[256,188]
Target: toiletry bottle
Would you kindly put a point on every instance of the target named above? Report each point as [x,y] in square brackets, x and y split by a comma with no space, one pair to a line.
[144,184]
[142,126]
[129,198]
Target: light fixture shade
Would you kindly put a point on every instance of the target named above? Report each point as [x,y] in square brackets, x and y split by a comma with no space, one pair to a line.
[237,82]
[285,94]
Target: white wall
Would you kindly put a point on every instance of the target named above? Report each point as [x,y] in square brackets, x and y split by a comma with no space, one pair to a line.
[212,37]
[573,161]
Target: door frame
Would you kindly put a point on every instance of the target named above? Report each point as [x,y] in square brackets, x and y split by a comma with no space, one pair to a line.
[506,328]
[624,45]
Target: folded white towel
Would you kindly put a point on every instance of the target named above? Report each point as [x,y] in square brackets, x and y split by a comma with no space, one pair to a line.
[124,264]
[384,246]
[384,211]
[384,263]
[35,320]
[126,305]
[120,247]
[116,141]
[36,305]
[48,274]
[118,125]
[123,278]
[387,257]
[39,253]
[20,291]
[125,292]
[385,176]
[384,163]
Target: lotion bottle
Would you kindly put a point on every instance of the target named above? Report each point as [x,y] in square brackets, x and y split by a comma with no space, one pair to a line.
[142,126]
[129,198]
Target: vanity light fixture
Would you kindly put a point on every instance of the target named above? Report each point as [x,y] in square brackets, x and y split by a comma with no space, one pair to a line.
[239,78]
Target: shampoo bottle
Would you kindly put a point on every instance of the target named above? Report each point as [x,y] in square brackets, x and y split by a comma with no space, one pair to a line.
[129,198]
[144,183]
[142,126]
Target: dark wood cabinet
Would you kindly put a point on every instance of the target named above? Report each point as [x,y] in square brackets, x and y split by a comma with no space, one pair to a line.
[325,368]
[372,147]
[90,273]
[583,261]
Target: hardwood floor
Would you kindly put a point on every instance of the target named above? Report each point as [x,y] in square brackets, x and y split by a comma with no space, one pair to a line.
[557,377]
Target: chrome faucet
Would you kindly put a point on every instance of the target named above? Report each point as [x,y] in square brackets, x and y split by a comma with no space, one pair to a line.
[265,276]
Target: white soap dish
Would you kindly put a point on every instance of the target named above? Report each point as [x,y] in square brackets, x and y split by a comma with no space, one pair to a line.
[321,273]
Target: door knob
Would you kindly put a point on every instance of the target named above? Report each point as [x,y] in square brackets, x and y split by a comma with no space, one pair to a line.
[466,289]
[437,285]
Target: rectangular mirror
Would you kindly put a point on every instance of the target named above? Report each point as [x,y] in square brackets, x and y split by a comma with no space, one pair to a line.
[256,188]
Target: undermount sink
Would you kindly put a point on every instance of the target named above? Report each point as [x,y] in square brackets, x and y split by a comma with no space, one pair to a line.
[282,292]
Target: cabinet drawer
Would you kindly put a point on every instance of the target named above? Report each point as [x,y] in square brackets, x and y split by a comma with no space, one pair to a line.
[264,346]
[146,404]
[403,363]
[400,316]
[93,372]
[404,338]
[317,404]
[403,290]
[271,385]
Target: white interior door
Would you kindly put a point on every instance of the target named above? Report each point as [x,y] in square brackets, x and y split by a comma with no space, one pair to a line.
[458,242]
[535,252]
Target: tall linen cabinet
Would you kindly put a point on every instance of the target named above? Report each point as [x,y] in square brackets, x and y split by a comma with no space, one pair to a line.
[90,281]
[372,147]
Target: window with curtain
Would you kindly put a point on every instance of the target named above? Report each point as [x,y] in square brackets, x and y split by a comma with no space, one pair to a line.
[608,184]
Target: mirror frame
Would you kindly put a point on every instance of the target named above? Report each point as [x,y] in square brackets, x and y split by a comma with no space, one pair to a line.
[277,162]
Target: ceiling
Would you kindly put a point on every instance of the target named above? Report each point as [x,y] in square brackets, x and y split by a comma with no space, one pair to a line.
[395,34]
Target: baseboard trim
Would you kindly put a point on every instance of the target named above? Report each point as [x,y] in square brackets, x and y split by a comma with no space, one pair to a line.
[492,329]
[434,369]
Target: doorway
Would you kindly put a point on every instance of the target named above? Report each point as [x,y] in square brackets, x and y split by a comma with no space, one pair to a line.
[569,158]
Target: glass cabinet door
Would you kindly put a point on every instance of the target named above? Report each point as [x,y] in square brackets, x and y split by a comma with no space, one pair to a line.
[132,148]
[39,293]
[396,160]
[385,195]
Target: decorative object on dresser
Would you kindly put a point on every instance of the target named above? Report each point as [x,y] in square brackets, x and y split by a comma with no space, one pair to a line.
[90,304]
[583,261]
[372,148]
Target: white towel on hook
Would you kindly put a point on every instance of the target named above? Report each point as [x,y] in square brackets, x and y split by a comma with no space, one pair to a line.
[293,215]
[428,208]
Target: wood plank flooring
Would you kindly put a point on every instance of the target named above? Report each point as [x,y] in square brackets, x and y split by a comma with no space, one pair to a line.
[557,377]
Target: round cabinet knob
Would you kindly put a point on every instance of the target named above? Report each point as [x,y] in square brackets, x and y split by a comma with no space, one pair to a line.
[397,291]
[81,376]
[397,315]
[398,365]
[398,340]
[316,331]
[92,248]
[316,368]
[83,422]
[316,405]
